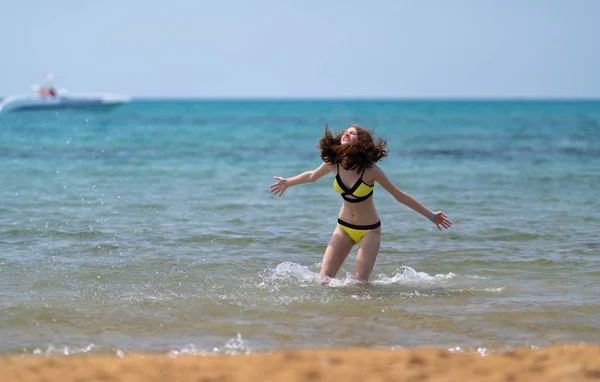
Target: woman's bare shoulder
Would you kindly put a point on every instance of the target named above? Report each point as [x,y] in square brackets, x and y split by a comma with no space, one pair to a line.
[370,174]
[331,166]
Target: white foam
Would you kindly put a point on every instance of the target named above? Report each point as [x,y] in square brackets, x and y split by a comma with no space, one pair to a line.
[289,271]
[495,290]
[52,350]
[234,346]
[408,276]
[475,277]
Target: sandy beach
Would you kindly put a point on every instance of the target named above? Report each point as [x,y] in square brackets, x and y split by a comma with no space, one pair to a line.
[553,363]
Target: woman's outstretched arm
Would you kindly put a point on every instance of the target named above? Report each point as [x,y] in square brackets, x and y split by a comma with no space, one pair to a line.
[279,187]
[439,218]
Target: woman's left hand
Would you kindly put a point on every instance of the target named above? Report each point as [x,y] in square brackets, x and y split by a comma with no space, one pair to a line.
[440,219]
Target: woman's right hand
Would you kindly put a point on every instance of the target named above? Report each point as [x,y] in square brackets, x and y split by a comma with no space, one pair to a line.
[279,187]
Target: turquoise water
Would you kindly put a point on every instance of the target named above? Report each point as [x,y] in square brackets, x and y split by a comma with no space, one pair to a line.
[151,228]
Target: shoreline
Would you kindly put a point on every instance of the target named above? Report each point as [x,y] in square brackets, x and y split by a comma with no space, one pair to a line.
[566,362]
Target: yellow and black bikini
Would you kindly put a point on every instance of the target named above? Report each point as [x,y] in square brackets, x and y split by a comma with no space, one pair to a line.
[361,191]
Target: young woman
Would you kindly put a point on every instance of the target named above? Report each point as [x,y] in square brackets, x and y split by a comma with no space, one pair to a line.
[352,155]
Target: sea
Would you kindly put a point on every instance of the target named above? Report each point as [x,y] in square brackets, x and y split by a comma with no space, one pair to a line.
[151,228]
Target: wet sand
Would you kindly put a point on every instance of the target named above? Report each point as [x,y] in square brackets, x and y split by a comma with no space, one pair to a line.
[553,363]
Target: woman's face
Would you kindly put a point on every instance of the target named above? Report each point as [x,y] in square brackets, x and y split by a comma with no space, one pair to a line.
[350,136]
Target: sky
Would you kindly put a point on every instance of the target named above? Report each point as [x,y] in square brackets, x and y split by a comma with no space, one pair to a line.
[304,48]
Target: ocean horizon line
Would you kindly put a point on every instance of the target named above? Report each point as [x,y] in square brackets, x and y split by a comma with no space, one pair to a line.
[359,99]
[368,99]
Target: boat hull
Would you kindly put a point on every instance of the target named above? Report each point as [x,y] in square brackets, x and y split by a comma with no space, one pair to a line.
[35,103]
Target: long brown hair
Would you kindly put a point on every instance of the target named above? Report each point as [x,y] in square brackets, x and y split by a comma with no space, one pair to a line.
[353,156]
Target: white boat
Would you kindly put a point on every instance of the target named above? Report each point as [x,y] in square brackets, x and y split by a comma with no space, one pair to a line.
[47,99]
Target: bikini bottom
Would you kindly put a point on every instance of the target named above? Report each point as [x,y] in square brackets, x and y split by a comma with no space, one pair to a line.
[356,232]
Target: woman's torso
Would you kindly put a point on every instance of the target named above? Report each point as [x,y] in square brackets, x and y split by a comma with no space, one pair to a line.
[357,185]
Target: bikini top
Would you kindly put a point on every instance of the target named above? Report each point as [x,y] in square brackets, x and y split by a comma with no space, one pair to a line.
[359,192]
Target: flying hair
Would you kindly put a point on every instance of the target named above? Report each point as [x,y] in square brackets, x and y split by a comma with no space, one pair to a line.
[358,156]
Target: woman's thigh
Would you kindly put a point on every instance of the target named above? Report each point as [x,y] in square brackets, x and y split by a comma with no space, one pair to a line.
[337,250]
[367,254]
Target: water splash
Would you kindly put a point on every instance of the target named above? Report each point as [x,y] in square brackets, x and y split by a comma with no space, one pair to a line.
[52,350]
[409,276]
[188,350]
[235,346]
[289,271]
[289,274]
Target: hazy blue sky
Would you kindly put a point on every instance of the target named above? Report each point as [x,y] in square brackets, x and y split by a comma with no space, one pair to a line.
[305,48]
